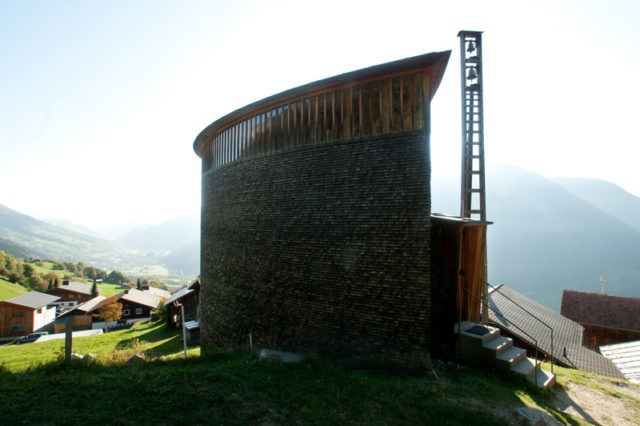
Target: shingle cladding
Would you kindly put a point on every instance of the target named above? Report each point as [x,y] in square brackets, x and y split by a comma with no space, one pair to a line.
[567,334]
[323,248]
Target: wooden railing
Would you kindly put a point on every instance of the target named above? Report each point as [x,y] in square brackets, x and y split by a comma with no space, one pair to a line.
[350,111]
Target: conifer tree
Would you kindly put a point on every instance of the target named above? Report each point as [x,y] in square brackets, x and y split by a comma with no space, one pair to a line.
[94,289]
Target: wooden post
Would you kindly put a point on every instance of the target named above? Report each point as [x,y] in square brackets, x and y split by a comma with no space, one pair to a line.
[68,339]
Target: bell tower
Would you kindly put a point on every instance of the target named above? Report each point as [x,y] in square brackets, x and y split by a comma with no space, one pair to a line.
[473,201]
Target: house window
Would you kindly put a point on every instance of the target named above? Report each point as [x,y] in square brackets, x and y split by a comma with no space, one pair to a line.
[39,310]
[125,312]
[17,327]
[138,311]
[18,314]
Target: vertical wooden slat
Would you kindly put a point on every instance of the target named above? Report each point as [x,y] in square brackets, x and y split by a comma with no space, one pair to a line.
[333,116]
[347,112]
[324,116]
[401,102]
[313,119]
[380,108]
[309,118]
[226,146]
[360,111]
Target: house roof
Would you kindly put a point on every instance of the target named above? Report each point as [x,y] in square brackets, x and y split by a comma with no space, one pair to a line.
[567,334]
[141,298]
[91,304]
[33,299]
[601,309]
[626,356]
[179,294]
[194,286]
[76,287]
[158,292]
[86,307]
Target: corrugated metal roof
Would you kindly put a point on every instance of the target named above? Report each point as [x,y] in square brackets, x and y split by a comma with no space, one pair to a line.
[567,334]
[33,299]
[626,356]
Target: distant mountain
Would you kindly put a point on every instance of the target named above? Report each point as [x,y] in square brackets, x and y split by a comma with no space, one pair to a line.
[545,238]
[184,260]
[22,236]
[113,232]
[75,227]
[607,197]
[165,237]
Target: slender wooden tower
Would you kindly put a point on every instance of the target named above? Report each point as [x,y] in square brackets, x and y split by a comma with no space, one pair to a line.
[473,196]
[473,201]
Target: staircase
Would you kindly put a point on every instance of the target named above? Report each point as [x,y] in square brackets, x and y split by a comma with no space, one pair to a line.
[483,346]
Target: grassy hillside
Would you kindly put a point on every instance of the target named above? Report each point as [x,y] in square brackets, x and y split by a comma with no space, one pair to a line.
[151,337]
[228,387]
[9,290]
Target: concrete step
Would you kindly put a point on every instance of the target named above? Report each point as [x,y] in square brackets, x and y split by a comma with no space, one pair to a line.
[509,357]
[498,344]
[483,333]
[546,379]
[525,367]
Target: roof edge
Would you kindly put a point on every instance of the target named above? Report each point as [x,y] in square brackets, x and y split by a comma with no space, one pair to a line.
[438,60]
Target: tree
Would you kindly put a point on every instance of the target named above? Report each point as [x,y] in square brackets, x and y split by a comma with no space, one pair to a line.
[94,289]
[139,284]
[50,286]
[110,312]
[116,277]
[28,270]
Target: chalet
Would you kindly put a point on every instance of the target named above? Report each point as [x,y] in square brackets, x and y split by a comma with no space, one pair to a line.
[606,319]
[137,304]
[189,297]
[81,315]
[26,313]
[70,294]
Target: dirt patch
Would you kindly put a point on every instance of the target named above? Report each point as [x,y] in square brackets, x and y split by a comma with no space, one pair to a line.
[609,404]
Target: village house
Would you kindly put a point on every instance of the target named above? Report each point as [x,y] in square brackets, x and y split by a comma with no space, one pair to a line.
[81,315]
[70,294]
[26,313]
[189,297]
[606,319]
[136,304]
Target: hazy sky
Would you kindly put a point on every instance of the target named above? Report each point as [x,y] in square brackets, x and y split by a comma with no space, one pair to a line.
[100,101]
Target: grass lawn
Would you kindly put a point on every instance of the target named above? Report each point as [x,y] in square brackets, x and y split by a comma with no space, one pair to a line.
[9,290]
[107,290]
[153,338]
[236,388]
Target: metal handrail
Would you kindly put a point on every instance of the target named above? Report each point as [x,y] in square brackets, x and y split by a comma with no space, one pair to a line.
[527,311]
[536,363]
